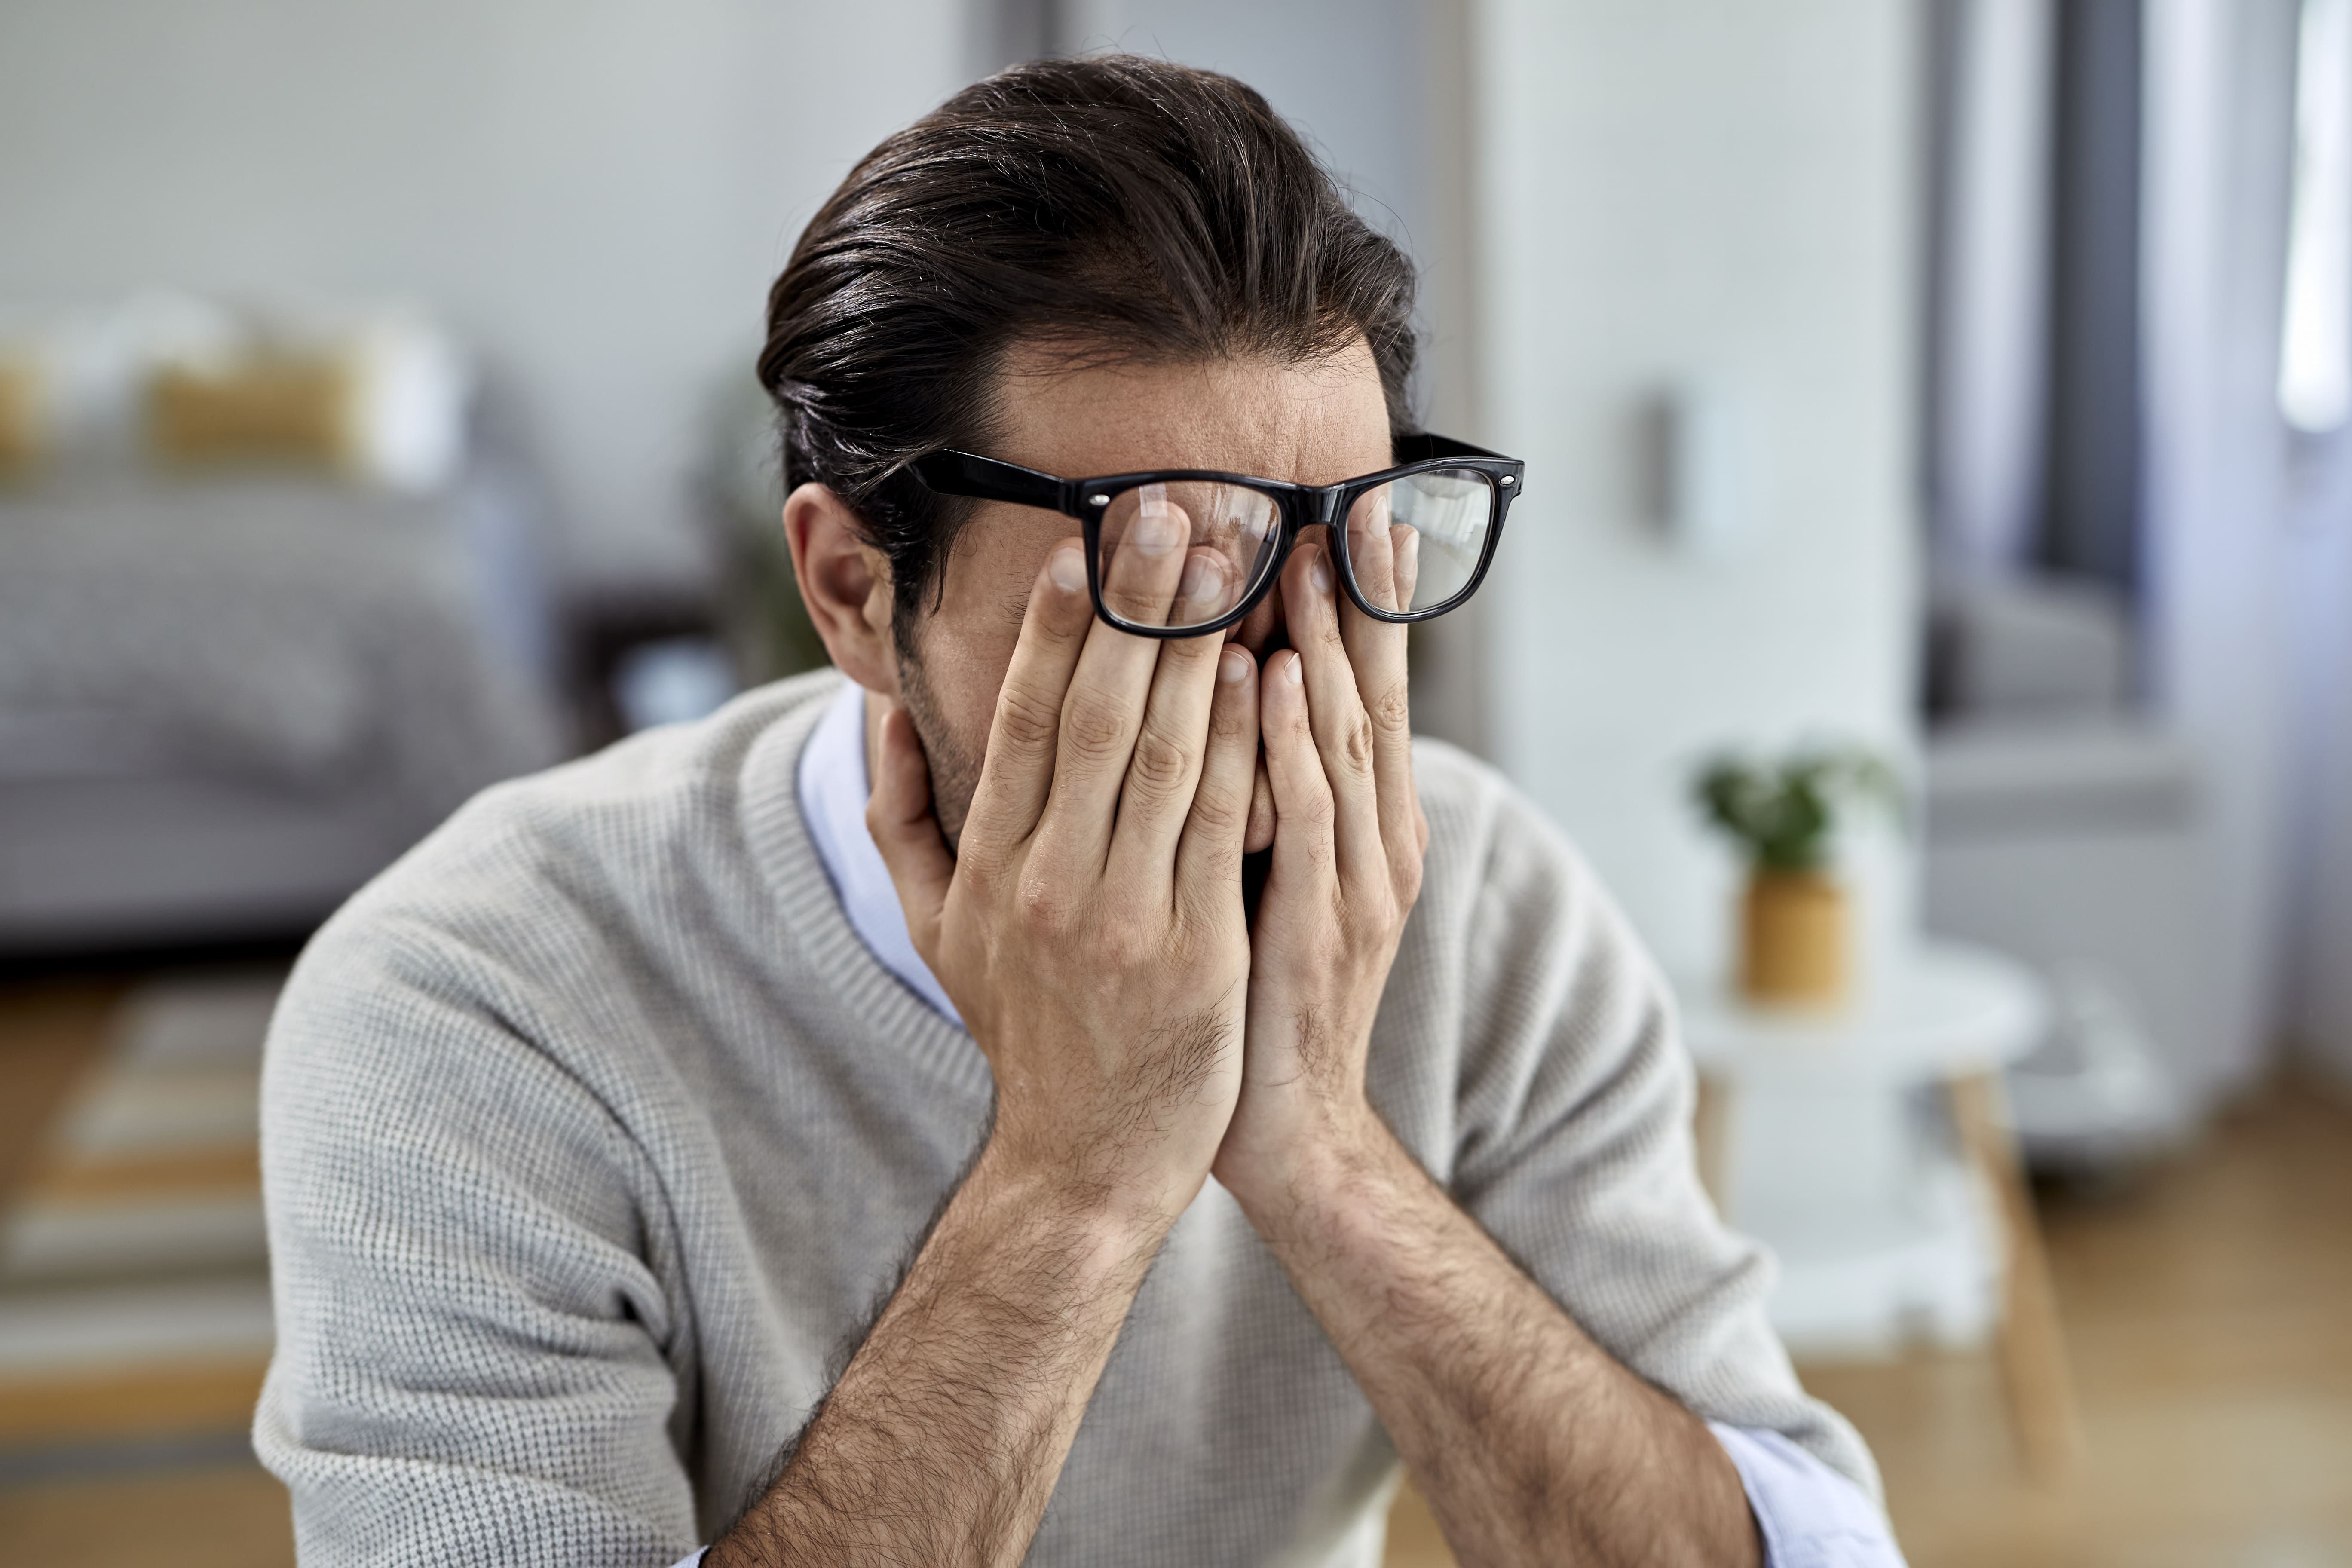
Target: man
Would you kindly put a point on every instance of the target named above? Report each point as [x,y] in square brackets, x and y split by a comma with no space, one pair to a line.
[694,1146]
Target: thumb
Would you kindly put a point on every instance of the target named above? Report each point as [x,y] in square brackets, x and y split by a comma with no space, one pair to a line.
[899,815]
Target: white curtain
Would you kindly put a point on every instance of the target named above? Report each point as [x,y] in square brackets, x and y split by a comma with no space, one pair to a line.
[2315,394]
[2221,549]
[1990,355]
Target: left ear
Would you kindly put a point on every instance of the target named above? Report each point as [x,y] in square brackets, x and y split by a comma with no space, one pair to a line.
[845,584]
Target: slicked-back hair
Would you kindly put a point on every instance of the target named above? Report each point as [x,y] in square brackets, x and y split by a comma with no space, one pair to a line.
[1124,208]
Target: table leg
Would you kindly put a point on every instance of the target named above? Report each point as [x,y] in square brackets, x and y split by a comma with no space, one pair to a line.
[2033,1342]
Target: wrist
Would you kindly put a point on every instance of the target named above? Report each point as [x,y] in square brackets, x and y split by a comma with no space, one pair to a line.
[1109,1214]
[1341,1164]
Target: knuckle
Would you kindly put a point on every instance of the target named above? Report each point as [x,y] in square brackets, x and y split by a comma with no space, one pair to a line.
[1159,765]
[1043,904]
[1218,812]
[1024,718]
[1356,743]
[1390,712]
[1094,731]
[980,859]
[1315,812]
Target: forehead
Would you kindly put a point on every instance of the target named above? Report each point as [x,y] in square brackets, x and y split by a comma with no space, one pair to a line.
[1312,423]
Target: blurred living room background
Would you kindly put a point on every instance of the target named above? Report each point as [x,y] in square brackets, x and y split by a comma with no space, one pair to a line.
[1962,380]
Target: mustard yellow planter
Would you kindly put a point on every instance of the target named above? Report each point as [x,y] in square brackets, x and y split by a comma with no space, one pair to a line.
[1795,939]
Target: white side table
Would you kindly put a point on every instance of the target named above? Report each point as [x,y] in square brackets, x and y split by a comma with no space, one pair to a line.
[1952,1016]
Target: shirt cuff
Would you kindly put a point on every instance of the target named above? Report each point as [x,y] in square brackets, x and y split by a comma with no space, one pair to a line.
[692,1558]
[1809,1515]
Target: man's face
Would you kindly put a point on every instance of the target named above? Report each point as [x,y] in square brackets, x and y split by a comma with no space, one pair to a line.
[1313,424]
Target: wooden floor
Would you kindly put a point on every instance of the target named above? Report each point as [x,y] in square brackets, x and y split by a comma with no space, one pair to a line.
[2208,1317]
[2207,1308]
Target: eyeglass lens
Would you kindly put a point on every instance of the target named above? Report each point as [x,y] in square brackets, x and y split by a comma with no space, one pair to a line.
[1184,553]
[1227,534]
[1414,542]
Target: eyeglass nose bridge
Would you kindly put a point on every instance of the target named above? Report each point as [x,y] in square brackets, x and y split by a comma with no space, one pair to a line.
[1301,510]
[1308,508]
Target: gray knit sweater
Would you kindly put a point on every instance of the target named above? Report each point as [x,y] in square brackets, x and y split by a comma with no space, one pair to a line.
[593,1137]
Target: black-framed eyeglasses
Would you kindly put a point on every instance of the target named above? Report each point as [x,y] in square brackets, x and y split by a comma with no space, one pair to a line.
[1416,540]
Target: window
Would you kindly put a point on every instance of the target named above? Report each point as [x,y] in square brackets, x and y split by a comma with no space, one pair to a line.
[2315,387]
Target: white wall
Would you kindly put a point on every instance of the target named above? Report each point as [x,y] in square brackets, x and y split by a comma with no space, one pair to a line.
[1343,71]
[1723,189]
[597,194]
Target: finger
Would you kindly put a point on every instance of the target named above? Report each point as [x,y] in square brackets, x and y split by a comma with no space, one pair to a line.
[1017,774]
[1156,799]
[1404,543]
[1142,563]
[1209,860]
[1261,818]
[898,814]
[1143,553]
[1376,651]
[1305,808]
[1343,732]
[1372,553]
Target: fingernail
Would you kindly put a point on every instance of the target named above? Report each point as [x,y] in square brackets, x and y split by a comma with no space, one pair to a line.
[1201,574]
[1318,572]
[1232,665]
[1155,530]
[1296,670]
[1067,567]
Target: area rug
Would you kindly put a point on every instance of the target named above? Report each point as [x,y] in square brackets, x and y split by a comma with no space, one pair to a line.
[139,1238]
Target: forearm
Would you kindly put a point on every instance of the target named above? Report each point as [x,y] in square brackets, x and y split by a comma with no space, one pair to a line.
[943,1438]
[1532,1444]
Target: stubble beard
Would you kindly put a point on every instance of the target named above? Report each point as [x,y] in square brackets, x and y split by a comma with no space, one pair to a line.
[955,773]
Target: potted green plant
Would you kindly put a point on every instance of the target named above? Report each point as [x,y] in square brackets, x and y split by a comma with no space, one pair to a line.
[1795,927]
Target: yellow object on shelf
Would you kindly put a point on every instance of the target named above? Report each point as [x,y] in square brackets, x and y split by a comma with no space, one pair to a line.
[1795,941]
[23,434]
[268,409]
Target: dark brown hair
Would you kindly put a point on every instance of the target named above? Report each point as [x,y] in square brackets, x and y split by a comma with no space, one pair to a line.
[1126,204]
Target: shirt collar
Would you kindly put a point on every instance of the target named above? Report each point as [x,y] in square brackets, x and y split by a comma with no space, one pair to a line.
[832,790]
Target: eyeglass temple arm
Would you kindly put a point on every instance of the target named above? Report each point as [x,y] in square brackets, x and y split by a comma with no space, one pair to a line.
[1422,447]
[985,478]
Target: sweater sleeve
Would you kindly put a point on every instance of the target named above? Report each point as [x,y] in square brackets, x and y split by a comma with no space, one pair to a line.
[1574,1145]
[471,1362]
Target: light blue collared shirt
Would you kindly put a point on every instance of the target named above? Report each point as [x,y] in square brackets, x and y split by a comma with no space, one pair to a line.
[834,792]
[1809,1515]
